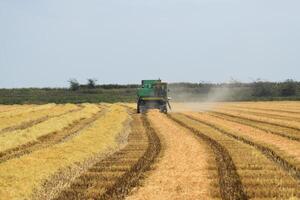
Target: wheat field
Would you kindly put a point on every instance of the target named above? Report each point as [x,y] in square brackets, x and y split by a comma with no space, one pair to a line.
[233,150]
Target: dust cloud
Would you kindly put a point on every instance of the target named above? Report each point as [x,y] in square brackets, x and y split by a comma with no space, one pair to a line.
[187,101]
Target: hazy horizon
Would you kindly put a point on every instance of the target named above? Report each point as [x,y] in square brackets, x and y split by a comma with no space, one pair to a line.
[46,43]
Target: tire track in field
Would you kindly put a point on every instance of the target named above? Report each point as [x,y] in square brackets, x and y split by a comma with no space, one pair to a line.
[238,119]
[28,124]
[116,175]
[269,153]
[230,184]
[186,168]
[49,139]
[261,179]
[216,113]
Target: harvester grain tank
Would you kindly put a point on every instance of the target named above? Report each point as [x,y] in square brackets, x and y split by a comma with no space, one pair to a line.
[153,94]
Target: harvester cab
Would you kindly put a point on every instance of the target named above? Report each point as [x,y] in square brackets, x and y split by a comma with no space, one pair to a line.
[153,94]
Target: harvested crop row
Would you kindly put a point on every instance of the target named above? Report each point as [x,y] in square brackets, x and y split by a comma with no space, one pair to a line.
[229,181]
[7,108]
[129,105]
[280,110]
[283,123]
[259,176]
[30,119]
[268,106]
[27,176]
[115,176]
[283,147]
[49,139]
[186,168]
[269,114]
[16,138]
[273,110]
[27,114]
[285,154]
[25,110]
[271,128]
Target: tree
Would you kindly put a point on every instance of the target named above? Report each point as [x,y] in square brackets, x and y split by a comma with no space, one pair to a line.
[261,89]
[74,84]
[91,83]
[288,88]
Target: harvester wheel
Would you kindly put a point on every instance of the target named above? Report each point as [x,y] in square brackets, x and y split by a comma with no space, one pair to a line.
[142,109]
[138,109]
[164,109]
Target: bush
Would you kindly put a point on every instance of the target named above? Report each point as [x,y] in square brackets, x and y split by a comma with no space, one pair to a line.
[74,84]
[91,83]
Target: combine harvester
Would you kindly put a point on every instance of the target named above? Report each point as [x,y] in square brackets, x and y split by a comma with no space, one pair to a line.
[153,94]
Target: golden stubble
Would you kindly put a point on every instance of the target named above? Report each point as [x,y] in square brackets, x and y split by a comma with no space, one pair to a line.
[184,168]
[19,178]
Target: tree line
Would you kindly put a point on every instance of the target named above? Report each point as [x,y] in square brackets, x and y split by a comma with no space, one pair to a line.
[91,83]
[256,88]
[93,92]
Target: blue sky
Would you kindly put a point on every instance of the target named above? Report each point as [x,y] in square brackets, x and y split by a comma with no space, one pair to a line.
[46,42]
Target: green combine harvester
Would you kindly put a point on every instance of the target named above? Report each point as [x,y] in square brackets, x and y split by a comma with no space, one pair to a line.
[153,94]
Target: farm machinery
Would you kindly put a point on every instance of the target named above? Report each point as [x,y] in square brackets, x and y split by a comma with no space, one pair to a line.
[153,94]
